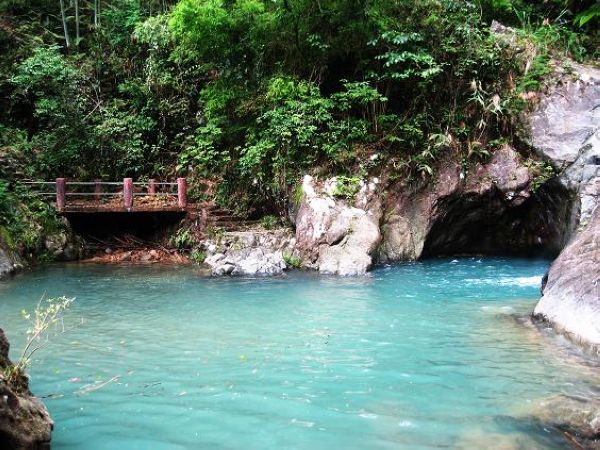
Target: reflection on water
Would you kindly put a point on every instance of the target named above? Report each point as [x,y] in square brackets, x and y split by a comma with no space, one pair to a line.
[420,355]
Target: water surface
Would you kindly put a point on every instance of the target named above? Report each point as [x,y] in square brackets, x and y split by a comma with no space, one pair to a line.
[422,356]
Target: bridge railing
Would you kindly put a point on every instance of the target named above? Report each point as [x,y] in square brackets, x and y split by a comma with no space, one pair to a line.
[99,191]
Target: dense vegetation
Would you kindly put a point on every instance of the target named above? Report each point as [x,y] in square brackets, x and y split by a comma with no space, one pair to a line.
[253,92]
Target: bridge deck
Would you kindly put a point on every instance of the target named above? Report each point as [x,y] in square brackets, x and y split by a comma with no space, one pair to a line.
[116,197]
[115,205]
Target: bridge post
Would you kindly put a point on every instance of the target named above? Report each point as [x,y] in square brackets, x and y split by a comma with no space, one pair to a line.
[181,193]
[151,186]
[97,189]
[60,193]
[128,193]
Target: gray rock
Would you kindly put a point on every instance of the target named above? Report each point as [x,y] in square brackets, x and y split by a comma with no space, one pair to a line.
[565,129]
[64,245]
[336,237]
[24,421]
[571,296]
[9,261]
[249,253]
[565,125]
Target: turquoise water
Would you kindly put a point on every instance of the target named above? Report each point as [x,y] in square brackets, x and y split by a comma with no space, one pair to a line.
[423,355]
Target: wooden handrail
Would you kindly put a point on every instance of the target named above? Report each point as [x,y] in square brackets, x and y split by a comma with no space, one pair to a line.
[127,193]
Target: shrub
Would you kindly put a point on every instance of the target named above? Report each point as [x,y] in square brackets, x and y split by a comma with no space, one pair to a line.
[269,222]
[292,261]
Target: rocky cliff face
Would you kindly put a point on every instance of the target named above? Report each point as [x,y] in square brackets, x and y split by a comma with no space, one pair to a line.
[565,128]
[24,421]
[490,209]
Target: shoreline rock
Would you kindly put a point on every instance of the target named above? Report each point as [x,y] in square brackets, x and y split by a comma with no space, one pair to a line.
[571,296]
[336,236]
[10,262]
[25,423]
[249,253]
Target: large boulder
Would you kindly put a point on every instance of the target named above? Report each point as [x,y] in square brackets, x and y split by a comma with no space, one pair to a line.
[24,421]
[571,296]
[338,236]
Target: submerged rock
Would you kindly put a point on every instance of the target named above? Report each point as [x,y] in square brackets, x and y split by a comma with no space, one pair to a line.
[24,421]
[578,418]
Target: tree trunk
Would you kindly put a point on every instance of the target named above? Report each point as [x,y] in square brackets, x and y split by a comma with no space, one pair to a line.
[77,23]
[64,21]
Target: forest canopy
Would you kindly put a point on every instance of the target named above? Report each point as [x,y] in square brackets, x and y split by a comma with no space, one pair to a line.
[254,93]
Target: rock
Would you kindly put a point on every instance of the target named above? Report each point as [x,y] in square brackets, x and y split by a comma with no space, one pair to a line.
[334,236]
[24,421]
[64,245]
[9,261]
[579,417]
[565,129]
[249,253]
[571,296]
[486,209]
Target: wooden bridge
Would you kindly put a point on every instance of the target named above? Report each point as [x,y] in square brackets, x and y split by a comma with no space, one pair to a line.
[126,196]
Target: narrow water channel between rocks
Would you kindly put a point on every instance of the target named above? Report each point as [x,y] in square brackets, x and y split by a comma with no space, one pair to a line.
[422,356]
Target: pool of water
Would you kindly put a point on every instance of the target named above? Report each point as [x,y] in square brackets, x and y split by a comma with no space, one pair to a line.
[422,355]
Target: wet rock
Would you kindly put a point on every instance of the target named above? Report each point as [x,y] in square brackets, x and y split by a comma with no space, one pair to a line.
[336,236]
[577,417]
[64,245]
[24,421]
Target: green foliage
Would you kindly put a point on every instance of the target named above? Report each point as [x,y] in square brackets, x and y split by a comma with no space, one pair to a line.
[590,15]
[184,239]
[540,171]
[25,219]
[215,233]
[292,261]
[48,315]
[198,256]
[406,56]
[346,187]
[269,222]
[254,93]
